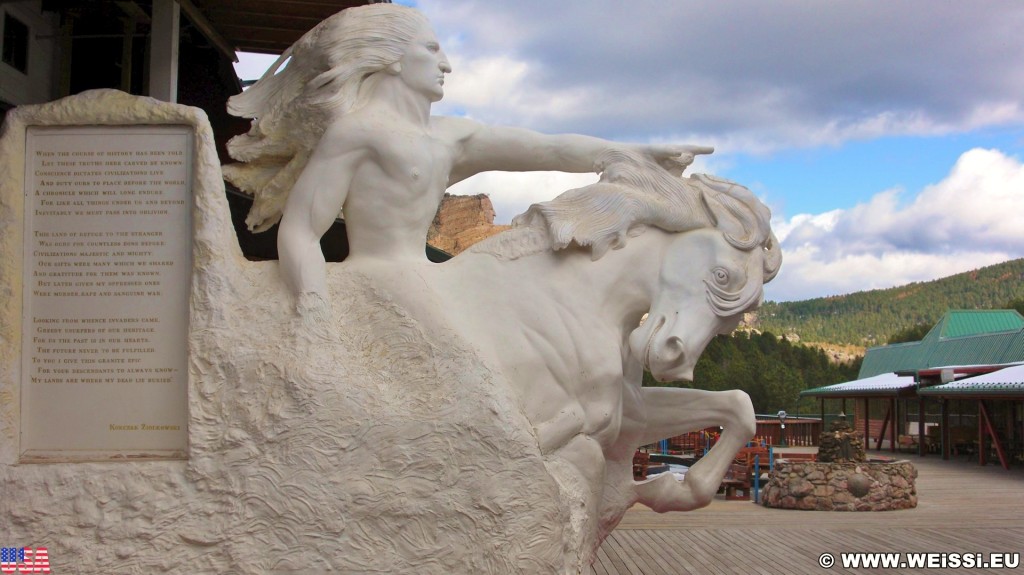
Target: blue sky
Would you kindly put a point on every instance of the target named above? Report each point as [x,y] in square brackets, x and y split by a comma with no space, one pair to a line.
[806,180]
[887,138]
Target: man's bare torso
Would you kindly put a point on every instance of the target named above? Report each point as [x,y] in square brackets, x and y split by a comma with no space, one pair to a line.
[396,186]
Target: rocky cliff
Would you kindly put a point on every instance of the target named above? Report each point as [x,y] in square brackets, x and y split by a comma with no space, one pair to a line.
[462,221]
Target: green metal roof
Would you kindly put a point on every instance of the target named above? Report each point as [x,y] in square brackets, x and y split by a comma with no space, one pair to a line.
[892,358]
[963,323]
[961,337]
[1015,347]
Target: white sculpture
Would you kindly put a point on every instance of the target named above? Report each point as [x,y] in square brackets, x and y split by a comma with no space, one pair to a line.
[692,253]
[552,308]
[346,125]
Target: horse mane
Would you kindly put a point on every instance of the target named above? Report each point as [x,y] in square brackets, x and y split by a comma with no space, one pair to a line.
[633,193]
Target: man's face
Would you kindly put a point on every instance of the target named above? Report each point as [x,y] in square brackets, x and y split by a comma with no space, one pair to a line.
[424,65]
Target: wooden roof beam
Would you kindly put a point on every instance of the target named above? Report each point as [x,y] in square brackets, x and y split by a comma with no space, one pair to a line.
[199,21]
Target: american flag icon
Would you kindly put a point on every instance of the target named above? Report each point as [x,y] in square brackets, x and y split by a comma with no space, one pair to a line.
[24,560]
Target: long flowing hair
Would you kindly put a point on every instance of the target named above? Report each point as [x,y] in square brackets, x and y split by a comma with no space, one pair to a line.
[634,193]
[323,75]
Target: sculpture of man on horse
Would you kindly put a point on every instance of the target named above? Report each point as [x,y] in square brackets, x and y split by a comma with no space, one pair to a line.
[638,271]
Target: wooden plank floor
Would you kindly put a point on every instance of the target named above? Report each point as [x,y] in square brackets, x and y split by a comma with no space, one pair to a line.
[962,508]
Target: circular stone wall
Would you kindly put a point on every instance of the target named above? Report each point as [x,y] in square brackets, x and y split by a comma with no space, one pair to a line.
[842,486]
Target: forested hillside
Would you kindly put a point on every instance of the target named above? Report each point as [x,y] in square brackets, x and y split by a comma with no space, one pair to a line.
[772,371]
[869,318]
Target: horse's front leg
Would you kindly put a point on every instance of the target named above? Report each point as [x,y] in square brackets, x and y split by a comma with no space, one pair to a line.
[672,411]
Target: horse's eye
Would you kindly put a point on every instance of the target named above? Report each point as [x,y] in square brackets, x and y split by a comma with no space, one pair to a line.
[721,276]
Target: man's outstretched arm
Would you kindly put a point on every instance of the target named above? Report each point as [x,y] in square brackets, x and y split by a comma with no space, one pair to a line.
[481,148]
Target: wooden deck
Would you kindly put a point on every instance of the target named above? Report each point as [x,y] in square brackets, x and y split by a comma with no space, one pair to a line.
[962,508]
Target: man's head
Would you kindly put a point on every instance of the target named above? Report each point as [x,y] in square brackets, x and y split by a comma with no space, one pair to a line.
[322,73]
[347,48]
[423,65]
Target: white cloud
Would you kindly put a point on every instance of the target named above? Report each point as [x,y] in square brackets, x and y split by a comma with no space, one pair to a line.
[972,218]
[984,193]
[808,273]
[825,222]
[740,74]
[513,192]
[484,82]
[494,90]
[757,77]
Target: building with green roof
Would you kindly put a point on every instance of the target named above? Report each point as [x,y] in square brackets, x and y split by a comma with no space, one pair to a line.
[961,337]
[944,367]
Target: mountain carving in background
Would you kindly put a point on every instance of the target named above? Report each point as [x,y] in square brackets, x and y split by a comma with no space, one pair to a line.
[870,318]
[462,221]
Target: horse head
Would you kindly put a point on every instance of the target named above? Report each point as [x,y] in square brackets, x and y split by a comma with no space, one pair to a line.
[721,254]
[709,278]
[704,287]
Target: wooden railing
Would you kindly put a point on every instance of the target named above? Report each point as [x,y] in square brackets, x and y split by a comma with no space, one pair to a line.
[798,432]
[693,442]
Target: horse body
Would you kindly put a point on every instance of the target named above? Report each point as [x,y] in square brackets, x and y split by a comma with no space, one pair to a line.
[554,327]
[561,323]
[566,333]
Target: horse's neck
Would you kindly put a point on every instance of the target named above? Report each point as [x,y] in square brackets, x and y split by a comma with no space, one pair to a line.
[618,287]
[623,281]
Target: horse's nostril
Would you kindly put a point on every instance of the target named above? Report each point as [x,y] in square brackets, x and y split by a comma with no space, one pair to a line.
[675,344]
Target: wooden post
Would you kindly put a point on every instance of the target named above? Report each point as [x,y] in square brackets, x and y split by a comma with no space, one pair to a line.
[944,432]
[885,425]
[921,431]
[126,54]
[981,436]
[163,55]
[67,29]
[867,424]
[893,407]
[1000,452]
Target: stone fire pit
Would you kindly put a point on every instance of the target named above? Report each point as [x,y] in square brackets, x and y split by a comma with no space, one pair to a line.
[851,486]
[841,479]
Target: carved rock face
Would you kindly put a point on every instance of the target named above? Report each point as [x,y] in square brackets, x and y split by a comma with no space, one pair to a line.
[462,221]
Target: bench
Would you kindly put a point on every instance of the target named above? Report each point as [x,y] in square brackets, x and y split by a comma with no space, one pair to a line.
[908,443]
[737,479]
[641,460]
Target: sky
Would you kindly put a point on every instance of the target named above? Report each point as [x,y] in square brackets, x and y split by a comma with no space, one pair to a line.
[886,137]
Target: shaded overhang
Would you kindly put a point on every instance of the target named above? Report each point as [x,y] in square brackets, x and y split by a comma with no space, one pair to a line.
[883,385]
[956,371]
[1004,383]
[263,26]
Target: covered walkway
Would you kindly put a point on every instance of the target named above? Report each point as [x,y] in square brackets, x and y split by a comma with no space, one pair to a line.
[911,380]
[963,508]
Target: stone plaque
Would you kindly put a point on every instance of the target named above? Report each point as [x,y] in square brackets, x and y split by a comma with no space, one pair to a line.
[106,286]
